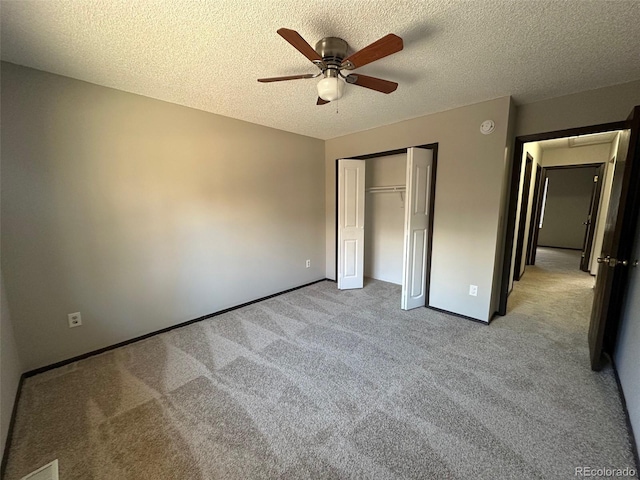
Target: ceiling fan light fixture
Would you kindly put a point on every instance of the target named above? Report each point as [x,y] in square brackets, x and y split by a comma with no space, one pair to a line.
[331,88]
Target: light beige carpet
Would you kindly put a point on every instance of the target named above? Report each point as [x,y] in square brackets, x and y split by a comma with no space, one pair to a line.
[319,383]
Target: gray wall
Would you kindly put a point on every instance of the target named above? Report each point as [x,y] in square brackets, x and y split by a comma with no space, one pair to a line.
[143,214]
[603,105]
[469,204]
[10,367]
[384,219]
[567,207]
[627,354]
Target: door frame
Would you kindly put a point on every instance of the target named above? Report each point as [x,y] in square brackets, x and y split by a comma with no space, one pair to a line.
[532,242]
[522,223]
[516,167]
[428,146]
[538,215]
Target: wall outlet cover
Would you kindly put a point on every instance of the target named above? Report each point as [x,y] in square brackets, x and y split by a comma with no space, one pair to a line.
[473,290]
[75,319]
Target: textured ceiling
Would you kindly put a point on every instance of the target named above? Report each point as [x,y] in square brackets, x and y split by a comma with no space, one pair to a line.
[209,54]
[583,140]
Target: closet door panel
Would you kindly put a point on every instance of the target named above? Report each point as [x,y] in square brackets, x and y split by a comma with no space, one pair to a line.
[351,178]
[416,228]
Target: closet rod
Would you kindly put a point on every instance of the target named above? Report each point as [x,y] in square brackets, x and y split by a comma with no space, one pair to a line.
[389,188]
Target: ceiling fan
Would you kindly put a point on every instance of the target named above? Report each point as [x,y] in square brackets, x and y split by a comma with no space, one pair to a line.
[330,56]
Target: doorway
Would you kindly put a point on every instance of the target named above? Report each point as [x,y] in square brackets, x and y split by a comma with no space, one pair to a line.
[584,184]
[355,197]
[571,208]
[610,254]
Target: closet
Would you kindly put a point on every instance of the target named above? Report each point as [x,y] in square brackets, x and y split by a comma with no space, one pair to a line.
[385,217]
[385,191]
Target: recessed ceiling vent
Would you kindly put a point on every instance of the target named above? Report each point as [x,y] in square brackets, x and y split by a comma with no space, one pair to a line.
[48,472]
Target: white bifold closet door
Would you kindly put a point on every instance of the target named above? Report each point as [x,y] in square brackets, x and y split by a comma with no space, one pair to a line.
[351,223]
[416,228]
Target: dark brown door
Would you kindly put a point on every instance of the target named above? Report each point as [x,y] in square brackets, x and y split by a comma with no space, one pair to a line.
[522,224]
[532,244]
[592,218]
[613,271]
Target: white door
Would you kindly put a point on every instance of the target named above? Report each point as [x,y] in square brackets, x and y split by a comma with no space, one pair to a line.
[416,227]
[350,224]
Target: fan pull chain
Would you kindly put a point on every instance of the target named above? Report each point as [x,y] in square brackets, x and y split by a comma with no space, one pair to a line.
[337,87]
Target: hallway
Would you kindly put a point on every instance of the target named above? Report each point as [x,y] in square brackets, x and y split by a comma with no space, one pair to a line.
[553,299]
[550,308]
[557,291]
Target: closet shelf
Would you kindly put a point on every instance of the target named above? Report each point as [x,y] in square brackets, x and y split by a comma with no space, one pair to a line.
[388,188]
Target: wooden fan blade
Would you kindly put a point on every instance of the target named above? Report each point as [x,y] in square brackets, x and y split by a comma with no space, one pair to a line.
[299,44]
[321,101]
[387,45]
[377,84]
[281,79]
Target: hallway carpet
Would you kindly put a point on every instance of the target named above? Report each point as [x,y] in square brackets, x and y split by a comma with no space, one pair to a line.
[319,383]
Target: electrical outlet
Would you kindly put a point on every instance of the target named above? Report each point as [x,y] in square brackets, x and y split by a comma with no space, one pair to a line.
[75,319]
[308,263]
[473,290]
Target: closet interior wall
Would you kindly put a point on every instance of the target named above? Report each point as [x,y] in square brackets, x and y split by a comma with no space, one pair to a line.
[384,218]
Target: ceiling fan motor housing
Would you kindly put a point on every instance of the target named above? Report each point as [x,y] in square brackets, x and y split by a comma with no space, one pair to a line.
[332,50]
